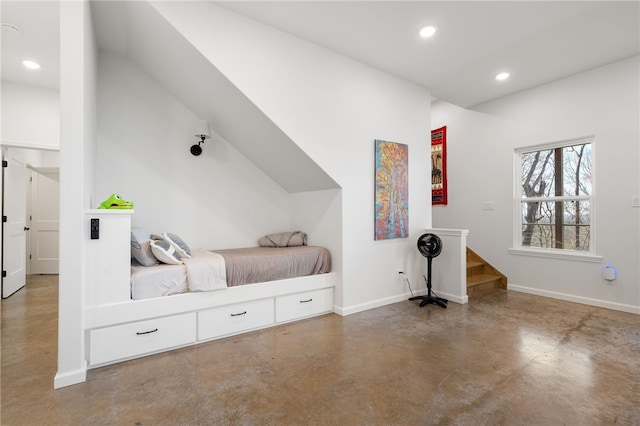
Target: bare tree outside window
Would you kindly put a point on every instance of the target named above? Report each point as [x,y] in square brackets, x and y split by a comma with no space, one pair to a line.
[556,190]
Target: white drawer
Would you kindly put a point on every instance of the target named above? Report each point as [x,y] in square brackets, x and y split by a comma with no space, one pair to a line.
[234,318]
[302,305]
[128,340]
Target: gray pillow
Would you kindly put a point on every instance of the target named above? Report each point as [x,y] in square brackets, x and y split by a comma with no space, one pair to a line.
[178,243]
[165,252]
[141,247]
[284,239]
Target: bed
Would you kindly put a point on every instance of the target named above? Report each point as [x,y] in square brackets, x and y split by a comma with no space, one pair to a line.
[241,266]
[118,327]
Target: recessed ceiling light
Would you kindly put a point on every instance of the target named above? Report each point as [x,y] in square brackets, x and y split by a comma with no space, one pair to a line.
[9,30]
[502,76]
[32,65]
[428,31]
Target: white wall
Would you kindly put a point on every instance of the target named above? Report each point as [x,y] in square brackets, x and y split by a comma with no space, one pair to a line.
[216,200]
[603,102]
[319,214]
[30,116]
[77,125]
[155,46]
[333,108]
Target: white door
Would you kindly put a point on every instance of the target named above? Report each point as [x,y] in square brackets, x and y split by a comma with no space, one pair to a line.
[14,228]
[44,221]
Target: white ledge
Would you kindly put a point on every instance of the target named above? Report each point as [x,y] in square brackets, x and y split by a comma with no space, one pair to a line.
[449,232]
[558,254]
[94,212]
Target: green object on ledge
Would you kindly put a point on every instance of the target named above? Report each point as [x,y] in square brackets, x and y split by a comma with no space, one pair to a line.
[115,201]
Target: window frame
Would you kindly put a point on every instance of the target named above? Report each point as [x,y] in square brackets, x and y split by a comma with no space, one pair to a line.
[518,200]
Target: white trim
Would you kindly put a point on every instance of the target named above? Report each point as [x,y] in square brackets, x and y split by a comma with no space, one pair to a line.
[93,212]
[454,298]
[558,254]
[551,199]
[70,377]
[449,232]
[558,144]
[372,305]
[28,145]
[576,299]
[394,299]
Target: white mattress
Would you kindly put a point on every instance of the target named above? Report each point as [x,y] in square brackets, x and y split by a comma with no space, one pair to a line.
[160,280]
[240,266]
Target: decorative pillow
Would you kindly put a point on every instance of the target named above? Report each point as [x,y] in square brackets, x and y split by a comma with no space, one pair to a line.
[284,239]
[165,252]
[140,247]
[178,244]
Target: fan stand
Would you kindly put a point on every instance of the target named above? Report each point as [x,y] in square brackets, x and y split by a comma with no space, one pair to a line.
[428,298]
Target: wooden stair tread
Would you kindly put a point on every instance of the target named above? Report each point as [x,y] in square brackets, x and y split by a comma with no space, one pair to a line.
[474,268]
[480,279]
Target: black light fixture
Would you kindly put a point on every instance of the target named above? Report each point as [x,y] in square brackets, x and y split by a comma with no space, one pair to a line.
[203,132]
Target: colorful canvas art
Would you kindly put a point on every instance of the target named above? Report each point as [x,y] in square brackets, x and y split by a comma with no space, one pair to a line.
[439,166]
[392,190]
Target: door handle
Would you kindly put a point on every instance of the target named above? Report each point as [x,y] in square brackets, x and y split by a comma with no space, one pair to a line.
[26,229]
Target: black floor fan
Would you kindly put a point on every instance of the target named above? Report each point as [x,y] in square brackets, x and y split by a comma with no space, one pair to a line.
[430,246]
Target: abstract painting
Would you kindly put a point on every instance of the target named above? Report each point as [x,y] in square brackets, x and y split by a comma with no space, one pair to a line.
[439,166]
[392,190]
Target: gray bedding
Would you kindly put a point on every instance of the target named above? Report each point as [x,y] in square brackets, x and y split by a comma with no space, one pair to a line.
[259,264]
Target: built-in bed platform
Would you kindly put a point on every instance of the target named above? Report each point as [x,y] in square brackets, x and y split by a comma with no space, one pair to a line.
[118,328]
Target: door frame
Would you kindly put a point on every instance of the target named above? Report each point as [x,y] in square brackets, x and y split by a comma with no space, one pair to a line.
[9,276]
[6,150]
[31,215]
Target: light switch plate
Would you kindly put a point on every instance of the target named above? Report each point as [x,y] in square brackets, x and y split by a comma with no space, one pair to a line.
[635,201]
[488,205]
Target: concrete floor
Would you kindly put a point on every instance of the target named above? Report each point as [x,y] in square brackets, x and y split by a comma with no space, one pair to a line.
[506,358]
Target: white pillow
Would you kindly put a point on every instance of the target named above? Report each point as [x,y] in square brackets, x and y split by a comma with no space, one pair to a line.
[178,244]
[165,252]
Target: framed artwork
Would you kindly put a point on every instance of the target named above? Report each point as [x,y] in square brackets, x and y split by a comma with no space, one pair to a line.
[439,166]
[392,190]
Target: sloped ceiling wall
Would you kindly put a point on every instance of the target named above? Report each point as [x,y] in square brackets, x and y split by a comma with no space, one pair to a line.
[137,31]
[334,108]
[331,107]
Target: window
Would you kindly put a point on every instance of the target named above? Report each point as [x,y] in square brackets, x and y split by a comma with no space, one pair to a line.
[554,196]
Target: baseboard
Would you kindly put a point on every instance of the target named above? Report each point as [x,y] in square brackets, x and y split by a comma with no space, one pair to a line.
[70,378]
[576,299]
[453,298]
[394,299]
[372,304]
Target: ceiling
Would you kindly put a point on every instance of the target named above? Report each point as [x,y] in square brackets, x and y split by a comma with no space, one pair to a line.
[537,42]
[38,39]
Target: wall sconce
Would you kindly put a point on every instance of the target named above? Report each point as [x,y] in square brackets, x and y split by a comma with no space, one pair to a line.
[203,132]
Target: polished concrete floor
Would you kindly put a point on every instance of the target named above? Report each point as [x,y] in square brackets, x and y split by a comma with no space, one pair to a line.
[504,359]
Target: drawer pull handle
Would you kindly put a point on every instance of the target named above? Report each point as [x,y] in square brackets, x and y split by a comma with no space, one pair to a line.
[237,315]
[306,301]
[140,333]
